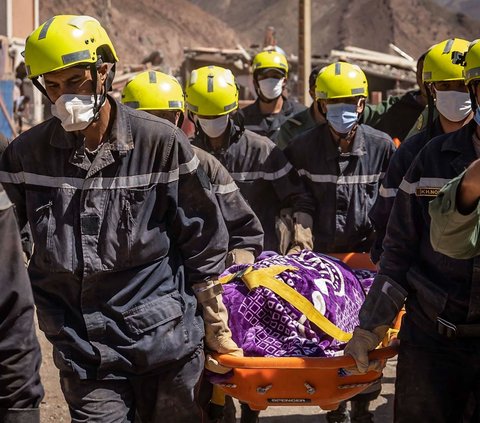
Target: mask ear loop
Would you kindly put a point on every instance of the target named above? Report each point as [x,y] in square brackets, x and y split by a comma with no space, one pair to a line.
[430,107]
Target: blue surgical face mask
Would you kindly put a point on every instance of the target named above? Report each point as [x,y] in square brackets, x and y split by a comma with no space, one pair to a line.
[342,117]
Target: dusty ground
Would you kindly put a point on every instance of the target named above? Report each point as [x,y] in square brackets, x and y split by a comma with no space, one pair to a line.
[54,409]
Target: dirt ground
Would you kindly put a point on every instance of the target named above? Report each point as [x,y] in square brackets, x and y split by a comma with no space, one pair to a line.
[54,408]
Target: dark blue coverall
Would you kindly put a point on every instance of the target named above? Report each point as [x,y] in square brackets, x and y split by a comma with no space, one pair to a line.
[120,238]
[439,357]
[20,388]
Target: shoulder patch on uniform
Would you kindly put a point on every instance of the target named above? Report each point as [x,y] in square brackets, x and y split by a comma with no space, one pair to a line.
[427,191]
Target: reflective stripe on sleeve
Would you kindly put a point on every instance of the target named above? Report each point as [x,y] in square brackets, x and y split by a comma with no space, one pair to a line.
[387,192]
[268,176]
[118,182]
[340,180]
[224,189]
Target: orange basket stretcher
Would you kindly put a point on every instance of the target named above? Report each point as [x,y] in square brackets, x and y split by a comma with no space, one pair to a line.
[285,381]
[288,381]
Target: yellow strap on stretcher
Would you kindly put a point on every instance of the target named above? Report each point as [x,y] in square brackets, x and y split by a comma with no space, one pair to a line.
[266,277]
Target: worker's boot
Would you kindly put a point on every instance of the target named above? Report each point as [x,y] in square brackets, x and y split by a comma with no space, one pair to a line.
[359,412]
[340,415]
[215,413]
[229,411]
[248,415]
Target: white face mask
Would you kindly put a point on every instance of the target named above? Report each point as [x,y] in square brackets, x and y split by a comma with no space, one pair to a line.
[454,105]
[271,88]
[75,111]
[213,128]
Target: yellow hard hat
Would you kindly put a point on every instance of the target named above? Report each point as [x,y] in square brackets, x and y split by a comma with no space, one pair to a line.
[472,62]
[211,91]
[152,90]
[438,65]
[270,60]
[65,41]
[340,80]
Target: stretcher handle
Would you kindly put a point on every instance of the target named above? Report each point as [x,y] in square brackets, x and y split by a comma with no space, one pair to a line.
[356,260]
[344,361]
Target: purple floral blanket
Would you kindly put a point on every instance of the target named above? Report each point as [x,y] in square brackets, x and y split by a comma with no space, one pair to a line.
[263,324]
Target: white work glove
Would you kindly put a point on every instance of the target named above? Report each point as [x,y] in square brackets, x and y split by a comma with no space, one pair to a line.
[284,230]
[302,237]
[218,337]
[239,256]
[362,342]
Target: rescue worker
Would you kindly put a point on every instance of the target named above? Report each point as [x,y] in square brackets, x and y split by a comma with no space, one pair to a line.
[447,93]
[438,362]
[384,116]
[342,163]
[265,178]
[271,108]
[20,388]
[126,234]
[161,95]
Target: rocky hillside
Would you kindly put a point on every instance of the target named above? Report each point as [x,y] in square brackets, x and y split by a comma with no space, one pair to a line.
[466,7]
[139,27]
[412,25]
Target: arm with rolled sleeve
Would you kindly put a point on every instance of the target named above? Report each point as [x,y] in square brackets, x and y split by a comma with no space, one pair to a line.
[20,388]
[451,232]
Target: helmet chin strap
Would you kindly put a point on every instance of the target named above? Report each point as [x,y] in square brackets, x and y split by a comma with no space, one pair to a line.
[41,88]
[99,102]
[181,118]
[473,97]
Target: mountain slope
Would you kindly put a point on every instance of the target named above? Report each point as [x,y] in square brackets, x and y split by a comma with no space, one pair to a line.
[138,27]
[412,25]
